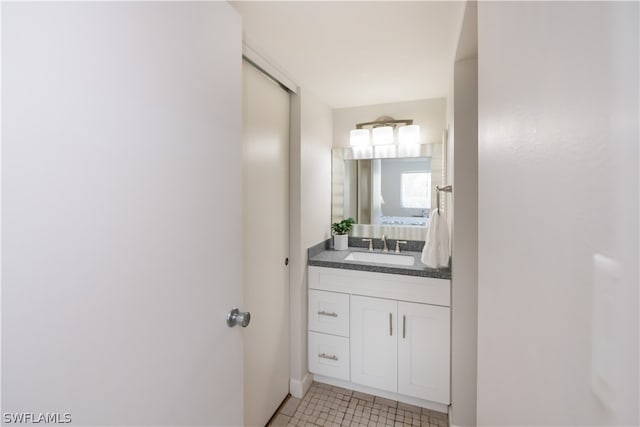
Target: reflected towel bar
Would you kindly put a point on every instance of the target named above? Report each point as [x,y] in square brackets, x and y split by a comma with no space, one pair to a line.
[446,189]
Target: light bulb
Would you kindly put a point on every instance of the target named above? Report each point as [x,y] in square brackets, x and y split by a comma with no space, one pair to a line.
[359,137]
[382,135]
[409,134]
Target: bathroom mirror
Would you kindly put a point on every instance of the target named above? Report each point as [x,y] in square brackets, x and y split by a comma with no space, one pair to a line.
[393,194]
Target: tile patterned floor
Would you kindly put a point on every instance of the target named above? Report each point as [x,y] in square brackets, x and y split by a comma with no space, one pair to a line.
[324,405]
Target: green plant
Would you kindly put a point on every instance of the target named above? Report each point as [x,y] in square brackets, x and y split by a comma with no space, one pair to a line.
[342,227]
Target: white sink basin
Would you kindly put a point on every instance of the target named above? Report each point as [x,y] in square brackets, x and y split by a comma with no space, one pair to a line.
[379,258]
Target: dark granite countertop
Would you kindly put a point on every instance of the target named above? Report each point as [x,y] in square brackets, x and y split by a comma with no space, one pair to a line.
[321,255]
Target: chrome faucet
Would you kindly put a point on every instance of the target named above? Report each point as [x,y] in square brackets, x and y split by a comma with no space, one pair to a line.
[385,248]
[370,244]
[398,242]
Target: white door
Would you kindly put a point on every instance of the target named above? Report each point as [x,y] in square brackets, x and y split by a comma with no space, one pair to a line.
[121,212]
[374,346]
[423,351]
[266,244]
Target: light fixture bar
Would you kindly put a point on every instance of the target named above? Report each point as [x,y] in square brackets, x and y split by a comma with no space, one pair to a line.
[384,122]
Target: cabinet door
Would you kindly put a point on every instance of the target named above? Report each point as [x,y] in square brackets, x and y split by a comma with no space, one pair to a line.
[374,345]
[423,351]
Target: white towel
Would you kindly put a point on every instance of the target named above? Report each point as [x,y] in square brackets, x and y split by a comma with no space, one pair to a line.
[435,253]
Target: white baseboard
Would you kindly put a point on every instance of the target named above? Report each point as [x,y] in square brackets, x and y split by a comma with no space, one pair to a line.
[451,424]
[299,388]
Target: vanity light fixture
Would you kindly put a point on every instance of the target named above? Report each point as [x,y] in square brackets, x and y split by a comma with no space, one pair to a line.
[382,135]
[382,132]
[359,138]
[409,134]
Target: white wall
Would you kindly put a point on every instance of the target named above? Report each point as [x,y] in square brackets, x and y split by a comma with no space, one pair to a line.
[316,169]
[464,211]
[311,214]
[558,117]
[464,244]
[626,205]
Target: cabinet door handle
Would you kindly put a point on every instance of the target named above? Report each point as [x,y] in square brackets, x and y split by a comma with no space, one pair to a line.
[390,324]
[404,326]
[326,313]
[328,356]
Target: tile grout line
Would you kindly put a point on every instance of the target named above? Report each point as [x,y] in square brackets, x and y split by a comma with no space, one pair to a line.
[324,405]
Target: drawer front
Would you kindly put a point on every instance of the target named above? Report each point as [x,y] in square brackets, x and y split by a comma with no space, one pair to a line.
[424,290]
[329,355]
[329,312]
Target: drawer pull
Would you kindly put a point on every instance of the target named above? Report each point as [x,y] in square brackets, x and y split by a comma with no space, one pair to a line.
[390,324]
[328,356]
[326,313]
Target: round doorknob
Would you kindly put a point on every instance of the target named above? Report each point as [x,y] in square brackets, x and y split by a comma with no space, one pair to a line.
[236,317]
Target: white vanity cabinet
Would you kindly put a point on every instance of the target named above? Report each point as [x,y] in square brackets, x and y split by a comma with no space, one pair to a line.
[400,347]
[398,332]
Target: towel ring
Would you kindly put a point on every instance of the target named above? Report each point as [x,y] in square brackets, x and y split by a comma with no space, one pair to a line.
[446,189]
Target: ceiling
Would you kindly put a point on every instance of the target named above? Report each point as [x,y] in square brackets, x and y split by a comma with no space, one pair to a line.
[358,53]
